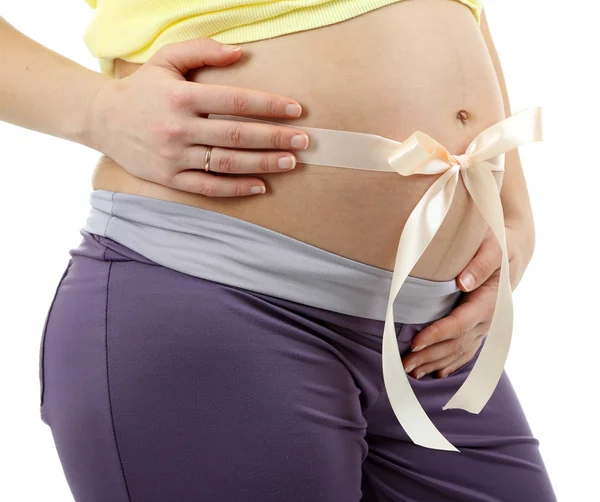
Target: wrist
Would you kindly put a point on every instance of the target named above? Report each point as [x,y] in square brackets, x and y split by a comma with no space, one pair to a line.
[521,234]
[92,124]
[525,227]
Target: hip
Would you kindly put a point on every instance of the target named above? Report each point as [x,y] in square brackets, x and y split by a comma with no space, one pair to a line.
[229,251]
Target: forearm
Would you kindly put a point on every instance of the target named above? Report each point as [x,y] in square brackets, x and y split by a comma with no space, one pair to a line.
[514,193]
[42,90]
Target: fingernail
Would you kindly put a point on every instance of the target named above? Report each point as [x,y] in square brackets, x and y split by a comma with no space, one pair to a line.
[286,162]
[468,281]
[410,368]
[230,48]
[420,375]
[300,141]
[419,347]
[258,189]
[293,110]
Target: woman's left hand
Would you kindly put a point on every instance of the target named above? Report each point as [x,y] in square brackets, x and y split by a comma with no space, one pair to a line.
[451,342]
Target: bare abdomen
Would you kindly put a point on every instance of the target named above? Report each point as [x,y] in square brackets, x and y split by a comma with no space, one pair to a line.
[414,65]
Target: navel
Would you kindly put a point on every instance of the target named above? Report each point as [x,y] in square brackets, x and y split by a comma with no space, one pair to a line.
[463,116]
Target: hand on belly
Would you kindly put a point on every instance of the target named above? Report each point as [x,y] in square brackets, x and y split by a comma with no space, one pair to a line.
[405,72]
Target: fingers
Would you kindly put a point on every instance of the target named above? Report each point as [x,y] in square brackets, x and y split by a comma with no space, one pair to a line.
[487,260]
[226,161]
[215,186]
[223,160]
[182,57]
[444,357]
[456,324]
[228,100]
[458,363]
[243,134]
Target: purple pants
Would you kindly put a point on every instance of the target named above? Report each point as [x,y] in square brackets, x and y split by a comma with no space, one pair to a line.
[164,387]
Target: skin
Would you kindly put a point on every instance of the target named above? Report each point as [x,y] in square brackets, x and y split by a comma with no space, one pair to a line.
[149,125]
[450,343]
[353,213]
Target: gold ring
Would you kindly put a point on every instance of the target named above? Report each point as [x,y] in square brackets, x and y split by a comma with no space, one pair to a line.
[207,158]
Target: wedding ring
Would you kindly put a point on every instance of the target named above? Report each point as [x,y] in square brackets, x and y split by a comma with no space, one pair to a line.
[207,158]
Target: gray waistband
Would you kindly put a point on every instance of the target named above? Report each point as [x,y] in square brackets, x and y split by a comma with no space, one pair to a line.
[232,251]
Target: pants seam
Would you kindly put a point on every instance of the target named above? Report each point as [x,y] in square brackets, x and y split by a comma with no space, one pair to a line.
[112,215]
[108,382]
[366,411]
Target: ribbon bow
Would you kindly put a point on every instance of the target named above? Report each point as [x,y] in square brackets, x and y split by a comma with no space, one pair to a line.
[421,154]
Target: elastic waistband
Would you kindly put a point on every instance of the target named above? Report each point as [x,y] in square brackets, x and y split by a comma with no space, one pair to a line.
[235,252]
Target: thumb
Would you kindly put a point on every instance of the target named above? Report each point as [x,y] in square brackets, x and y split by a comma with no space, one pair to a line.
[195,53]
[486,261]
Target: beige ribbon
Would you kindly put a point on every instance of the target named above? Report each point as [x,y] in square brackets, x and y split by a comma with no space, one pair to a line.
[421,154]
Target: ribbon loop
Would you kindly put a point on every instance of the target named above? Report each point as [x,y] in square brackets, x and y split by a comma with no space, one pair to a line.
[421,154]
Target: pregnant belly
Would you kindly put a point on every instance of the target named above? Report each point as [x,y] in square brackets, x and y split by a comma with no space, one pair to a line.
[414,65]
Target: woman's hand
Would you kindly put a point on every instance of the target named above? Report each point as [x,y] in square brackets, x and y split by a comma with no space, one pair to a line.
[153,123]
[448,344]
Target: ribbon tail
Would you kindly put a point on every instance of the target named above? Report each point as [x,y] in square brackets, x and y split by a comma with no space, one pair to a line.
[415,238]
[479,386]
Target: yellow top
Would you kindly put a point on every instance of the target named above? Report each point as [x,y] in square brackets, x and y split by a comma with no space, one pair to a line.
[134,30]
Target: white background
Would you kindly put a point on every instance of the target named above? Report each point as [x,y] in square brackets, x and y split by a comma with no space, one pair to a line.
[547,51]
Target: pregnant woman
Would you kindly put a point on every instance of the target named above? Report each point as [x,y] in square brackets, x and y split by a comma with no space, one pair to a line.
[309,342]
